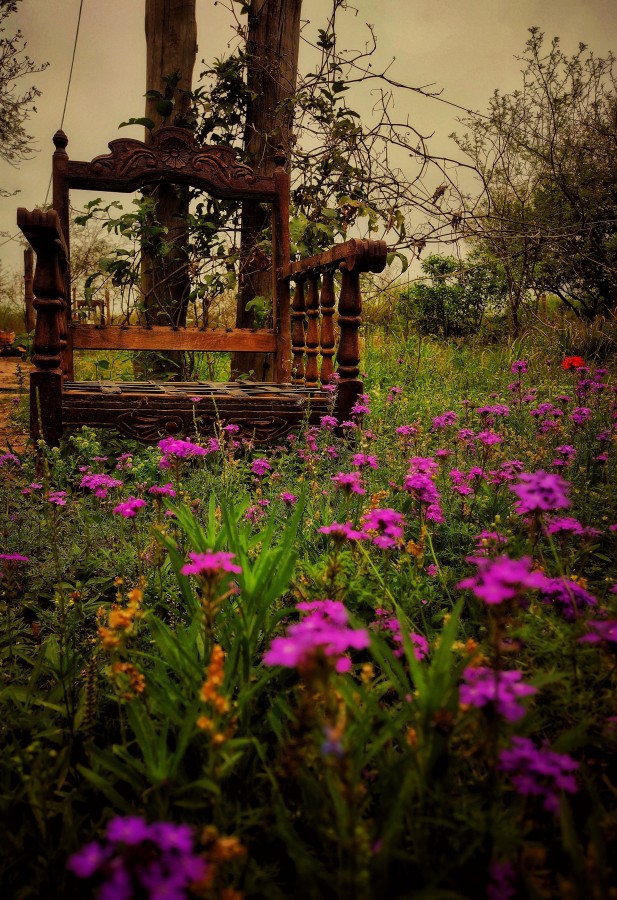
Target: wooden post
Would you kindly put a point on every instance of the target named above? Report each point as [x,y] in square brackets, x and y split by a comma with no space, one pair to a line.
[312,333]
[28,291]
[44,233]
[107,308]
[327,327]
[298,344]
[348,358]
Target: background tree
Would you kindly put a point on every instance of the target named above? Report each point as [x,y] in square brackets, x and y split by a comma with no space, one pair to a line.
[15,106]
[546,156]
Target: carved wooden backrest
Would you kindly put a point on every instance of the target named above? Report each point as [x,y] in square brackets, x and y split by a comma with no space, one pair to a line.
[173,156]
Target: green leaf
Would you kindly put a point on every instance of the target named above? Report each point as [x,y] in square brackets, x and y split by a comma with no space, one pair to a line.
[145,122]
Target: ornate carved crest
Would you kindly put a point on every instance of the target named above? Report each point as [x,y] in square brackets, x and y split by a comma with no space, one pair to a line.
[172,155]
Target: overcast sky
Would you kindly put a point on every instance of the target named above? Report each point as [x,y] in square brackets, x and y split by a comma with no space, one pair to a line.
[466,48]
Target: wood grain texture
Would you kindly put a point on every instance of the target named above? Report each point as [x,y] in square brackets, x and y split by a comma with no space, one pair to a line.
[160,337]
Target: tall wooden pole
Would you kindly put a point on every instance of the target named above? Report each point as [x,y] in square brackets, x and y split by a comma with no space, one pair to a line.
[273,44]
[171,45]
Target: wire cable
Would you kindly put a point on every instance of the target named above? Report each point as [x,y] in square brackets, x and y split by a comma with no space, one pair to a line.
[68,86]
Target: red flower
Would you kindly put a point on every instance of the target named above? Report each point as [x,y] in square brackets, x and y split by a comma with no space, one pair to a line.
[572,362]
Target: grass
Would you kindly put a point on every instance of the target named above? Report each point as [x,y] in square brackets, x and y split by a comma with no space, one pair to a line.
[323,749]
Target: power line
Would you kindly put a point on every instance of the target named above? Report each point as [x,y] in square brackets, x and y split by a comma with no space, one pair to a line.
[68,86]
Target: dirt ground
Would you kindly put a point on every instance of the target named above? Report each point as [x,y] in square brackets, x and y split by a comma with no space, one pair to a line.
[10,433]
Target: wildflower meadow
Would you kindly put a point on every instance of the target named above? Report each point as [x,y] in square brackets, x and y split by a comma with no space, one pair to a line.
[372,661]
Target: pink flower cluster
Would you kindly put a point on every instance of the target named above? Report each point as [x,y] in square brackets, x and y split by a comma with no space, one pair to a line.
[323,632]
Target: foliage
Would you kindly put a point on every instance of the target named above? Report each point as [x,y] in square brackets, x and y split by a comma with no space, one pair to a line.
[15,107]
[137,642]
[453,299]
[545,154]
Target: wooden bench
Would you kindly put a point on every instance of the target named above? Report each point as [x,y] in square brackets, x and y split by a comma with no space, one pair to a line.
[313,334]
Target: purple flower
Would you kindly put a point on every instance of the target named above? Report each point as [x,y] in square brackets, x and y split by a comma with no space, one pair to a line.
[88,860]
[343,531]
[423,465]
[406,430]
[502,885]
[128,830]
[101,484]
[500,690]
[9,458]
[444,420]
[288,499]
[600,631]
[569,525]
[489,438]
[580,415]
[387,525]
[539,772]
[364,460]
[422,488]
[350,482]
[520,367]
[128,508]
[389,624]
[328,422]
[260,467]
[540,492]
[567,595]
[502,578]
[162,490]
[14,558]
[210,565]
[182,449]
[325,632]
[57,498]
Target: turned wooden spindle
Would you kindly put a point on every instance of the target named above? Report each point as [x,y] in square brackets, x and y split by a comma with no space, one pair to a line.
[348,357]
[298,345]
[42,230]
[327,327]
[312,333]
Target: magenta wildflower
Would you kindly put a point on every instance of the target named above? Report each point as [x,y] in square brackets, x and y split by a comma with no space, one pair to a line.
[539,772]
[324,632]
[328,422]
[14,558]
[137,859]
[520,367]
[162,490]
[350,482]
[343,532]
[499,690]
[231,428]
[393,393]
[211,565]
[444,420]
[57,498]
[128,508]
[422,488]
[101,484]
[501,578]
[580,415]
[390,625]
[600,631]
[406,430]
[489,438]
[9,458]
[568,596]
[540,492]
[566,454]
[489,541]
[423,465]
[568,525]
[502,885]
[387,525]
[288,499]
[364,461]
[182,449]
[260,467]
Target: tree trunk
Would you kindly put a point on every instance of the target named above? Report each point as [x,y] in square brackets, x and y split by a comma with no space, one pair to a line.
[273,43]
[171,42]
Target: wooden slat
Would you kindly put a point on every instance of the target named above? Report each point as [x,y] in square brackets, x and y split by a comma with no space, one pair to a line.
[159,337]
